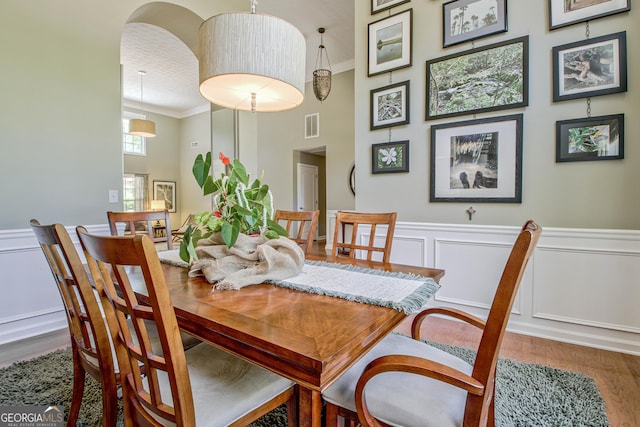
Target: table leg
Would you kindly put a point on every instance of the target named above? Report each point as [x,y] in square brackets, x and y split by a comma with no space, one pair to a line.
[309,407]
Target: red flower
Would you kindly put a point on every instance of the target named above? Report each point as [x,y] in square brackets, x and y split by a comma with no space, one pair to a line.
[225,159]
[217,214]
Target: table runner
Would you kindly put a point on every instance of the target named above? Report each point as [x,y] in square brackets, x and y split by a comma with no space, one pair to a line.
[399,291]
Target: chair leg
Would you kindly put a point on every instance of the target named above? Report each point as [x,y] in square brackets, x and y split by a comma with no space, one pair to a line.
[292,409]
[331,415]
[78,388]
[109,404]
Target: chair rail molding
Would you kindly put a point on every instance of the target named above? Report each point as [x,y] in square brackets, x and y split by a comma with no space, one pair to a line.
[580,287]
[31,305]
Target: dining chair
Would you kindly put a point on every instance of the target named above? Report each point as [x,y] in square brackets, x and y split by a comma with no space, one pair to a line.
[345,243]
[302,224]
[404,382]
[177,235]
[91,341]
[147,222]
[201,386]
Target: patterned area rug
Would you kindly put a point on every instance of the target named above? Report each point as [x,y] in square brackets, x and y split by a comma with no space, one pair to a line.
[527,395]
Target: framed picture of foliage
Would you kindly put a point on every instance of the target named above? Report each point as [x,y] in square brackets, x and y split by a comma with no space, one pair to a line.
[390,157]
[568,12]
[590,67]
[477,160]
[390,106]
[380,5]
[488,78]
[590,138]
[390,43]
[466,20]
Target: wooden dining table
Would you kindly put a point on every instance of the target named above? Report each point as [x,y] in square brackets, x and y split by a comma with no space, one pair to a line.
[309,338]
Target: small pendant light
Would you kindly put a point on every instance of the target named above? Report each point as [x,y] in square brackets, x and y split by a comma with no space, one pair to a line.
[141,127]
[322,76]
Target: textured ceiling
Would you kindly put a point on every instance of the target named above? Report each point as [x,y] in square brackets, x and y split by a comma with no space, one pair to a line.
[171,80]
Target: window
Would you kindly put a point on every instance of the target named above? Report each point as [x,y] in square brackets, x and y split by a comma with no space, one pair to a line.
[135,195]
[132,144]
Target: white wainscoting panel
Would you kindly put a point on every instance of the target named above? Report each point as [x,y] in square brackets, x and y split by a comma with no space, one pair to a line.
[30,303]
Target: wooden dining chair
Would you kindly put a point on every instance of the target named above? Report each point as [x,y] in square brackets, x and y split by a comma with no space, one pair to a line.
[201,386]
[177,235]
[147,222]
[302,224]
[403,381]
[91,343]
[345,243]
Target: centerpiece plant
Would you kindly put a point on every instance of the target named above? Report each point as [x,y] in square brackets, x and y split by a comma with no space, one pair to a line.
[239,206]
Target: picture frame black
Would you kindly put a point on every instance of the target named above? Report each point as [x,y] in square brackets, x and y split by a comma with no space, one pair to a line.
[568,12]
[389,105]
[591,67]
[459,84]
[378,6]
[590,138]
[390,43]
[488,17]
[477,161]
[165,190]
[390,157]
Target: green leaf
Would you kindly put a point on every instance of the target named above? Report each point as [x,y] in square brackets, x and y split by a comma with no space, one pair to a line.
[243,211]
[240,172]
[230,233]
[209,186]
[274,226]
[201,168]
[271,234]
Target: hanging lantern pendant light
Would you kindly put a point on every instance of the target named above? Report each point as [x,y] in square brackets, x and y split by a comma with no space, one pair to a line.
[142,127]
[321,75]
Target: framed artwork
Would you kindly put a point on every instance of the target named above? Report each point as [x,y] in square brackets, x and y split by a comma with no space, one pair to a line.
[390,106]
[466,20]
[390,43]
[489,78]
[390,157]
[590,138]
[568,12]
[477,160]
[380,5]
[165,190]
[591,67]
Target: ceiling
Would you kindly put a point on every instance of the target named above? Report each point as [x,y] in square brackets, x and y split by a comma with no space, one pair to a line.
[170,85]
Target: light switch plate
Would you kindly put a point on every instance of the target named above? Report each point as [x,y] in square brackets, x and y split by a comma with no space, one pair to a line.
[113,196]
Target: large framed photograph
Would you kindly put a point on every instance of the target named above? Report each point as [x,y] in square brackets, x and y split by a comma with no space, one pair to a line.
[165,190]
[590,138]
[390,157]
[477,160]
[568,12]
[380,5]
[490,78]
[390,43]
[390,106]
[466,20]
[591,67]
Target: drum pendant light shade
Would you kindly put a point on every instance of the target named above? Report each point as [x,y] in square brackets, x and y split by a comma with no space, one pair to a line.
[252,62]
[140,127]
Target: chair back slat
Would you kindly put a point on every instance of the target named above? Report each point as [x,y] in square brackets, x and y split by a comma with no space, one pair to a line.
[345,243]
[303,222]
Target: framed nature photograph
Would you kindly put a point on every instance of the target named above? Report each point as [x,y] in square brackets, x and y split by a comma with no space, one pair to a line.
[390,43]
[477,160]
[489,78]
[380,5]
[390,106]
[466,20]
[568,12]
[590,138]
[590,67]
[390,157]
[165,190]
